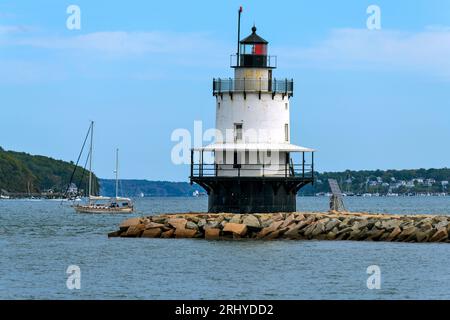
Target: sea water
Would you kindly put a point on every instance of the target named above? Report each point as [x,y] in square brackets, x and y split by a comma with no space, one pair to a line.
[39,240]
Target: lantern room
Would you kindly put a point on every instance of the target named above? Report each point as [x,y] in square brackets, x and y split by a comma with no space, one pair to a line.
[253,52]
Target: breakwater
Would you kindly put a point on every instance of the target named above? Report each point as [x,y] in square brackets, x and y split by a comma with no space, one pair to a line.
[295,226]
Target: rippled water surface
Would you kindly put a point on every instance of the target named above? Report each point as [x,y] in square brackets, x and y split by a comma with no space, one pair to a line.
[40,239]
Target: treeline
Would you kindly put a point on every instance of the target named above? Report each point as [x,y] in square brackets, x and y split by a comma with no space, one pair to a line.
[24,173]
[382,181]
[135,188]
[357,182]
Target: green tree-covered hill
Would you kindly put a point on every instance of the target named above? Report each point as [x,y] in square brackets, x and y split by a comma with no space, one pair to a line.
[24,173]
[133,188]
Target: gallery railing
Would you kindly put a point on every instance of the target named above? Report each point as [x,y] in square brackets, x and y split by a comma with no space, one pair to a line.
[305,170]
[284,86]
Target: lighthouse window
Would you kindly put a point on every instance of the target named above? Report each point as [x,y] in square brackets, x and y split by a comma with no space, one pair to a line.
[218,105]
[285,105]
[260,49]
[238,131]
[255,49]
[286,132]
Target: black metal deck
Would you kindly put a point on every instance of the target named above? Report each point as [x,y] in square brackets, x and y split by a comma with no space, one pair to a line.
[251,188]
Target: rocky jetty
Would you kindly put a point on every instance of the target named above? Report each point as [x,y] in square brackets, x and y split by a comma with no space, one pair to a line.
[297,226]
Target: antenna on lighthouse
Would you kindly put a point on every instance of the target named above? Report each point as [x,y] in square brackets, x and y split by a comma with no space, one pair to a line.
[239,36]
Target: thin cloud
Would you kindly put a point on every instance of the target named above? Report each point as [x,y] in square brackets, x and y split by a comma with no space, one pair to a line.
[425,51]
[7,29]
[90,55]
[124,43]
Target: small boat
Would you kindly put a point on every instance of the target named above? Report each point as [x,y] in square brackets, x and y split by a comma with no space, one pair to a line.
[100,204]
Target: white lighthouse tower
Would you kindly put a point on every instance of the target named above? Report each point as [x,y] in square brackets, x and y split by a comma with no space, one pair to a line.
[252,168]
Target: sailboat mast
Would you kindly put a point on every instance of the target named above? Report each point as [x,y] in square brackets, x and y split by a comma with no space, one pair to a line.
[117,172]
[90,159]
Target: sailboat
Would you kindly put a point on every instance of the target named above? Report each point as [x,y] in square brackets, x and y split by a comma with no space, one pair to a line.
[100,204]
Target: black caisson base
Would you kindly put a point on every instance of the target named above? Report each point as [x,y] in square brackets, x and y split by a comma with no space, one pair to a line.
[251,197]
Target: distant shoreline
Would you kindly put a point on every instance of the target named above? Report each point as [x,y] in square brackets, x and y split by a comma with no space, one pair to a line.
[41,198]
[415,182]
[27,176]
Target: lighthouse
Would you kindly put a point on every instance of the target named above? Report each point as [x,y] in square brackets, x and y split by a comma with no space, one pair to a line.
[252,167]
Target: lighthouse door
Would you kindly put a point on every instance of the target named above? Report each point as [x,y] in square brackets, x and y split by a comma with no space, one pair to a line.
[270,80]
[237,157]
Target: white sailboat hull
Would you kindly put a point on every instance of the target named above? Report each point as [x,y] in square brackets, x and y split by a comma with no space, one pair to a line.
[97,209]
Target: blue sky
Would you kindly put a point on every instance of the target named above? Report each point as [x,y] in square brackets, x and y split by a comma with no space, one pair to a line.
[365,99]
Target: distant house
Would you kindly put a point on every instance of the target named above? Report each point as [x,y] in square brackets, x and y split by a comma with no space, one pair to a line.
[72,188]
[399,184]
[410,184]
[444,183]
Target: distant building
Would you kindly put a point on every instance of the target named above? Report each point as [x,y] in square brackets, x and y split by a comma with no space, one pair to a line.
[72,188]
[410,184]
[398,184]
[444,183]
